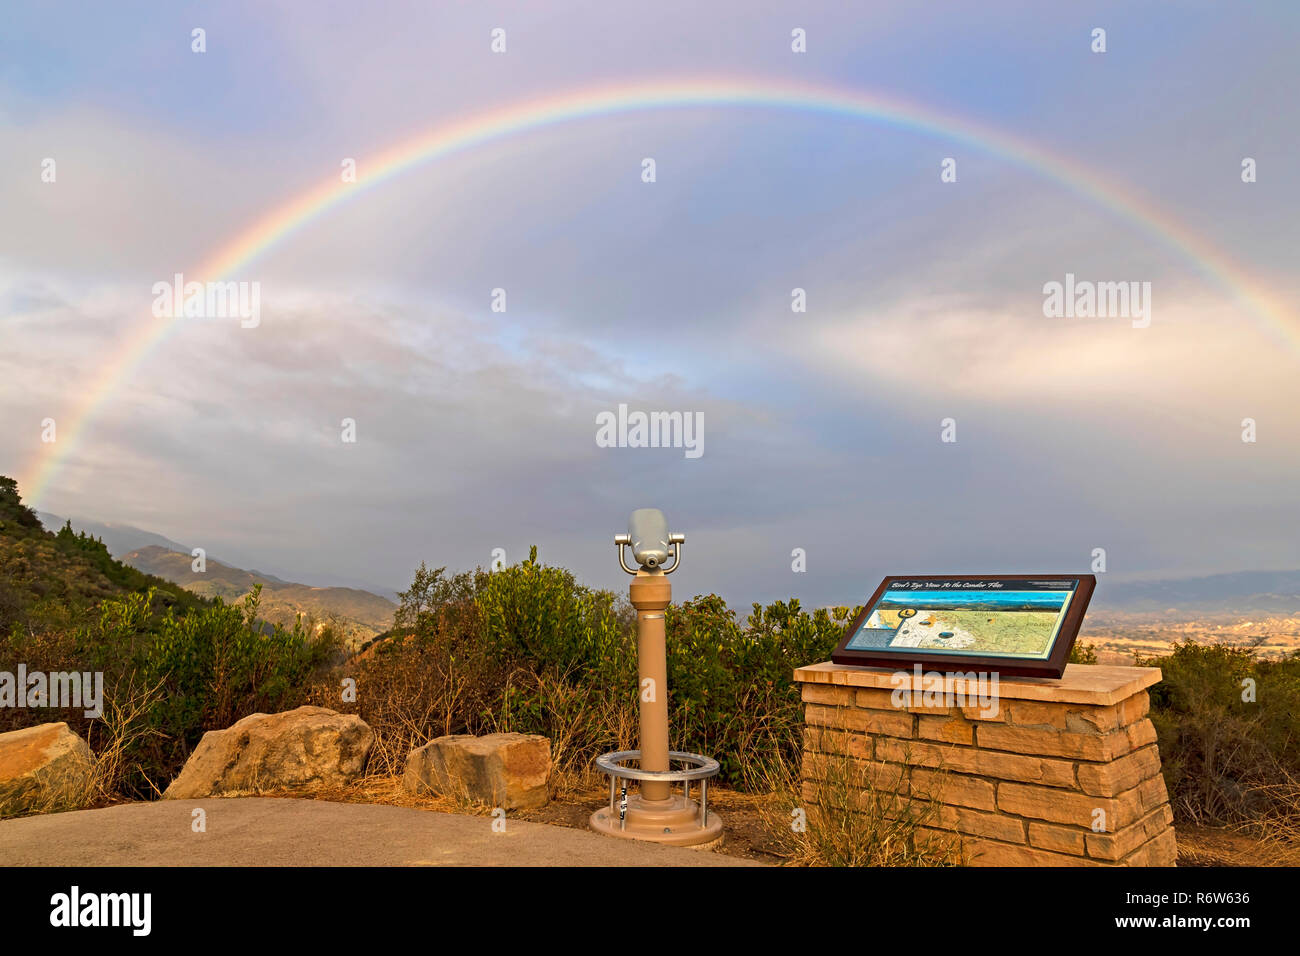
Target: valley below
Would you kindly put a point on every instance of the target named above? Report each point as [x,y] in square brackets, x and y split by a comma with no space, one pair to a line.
[1119,636]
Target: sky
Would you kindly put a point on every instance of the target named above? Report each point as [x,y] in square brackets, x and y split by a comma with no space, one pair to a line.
[824,463]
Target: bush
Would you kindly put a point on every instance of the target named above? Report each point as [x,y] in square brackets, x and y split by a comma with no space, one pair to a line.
[168,678]
[1229,755]
[221,663]
[1083,654]
[731,689]
[528,649]
[525,649]
[541,617]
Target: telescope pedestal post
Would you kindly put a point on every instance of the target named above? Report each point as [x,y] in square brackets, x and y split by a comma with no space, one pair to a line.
[651,593]
[655,813]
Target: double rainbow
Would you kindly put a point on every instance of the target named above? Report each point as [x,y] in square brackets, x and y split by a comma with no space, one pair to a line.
[464,134]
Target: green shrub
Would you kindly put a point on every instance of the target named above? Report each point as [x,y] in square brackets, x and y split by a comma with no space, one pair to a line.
[541,616]
[528,649]
[177,674]
[1083,654]
[221,663]
[1228,758]
[731,688]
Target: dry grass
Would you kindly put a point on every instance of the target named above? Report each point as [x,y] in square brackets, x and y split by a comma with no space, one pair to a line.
[1235,846]
[582,722]
[853,820]
[110,739]
[409,695]
[1276,835]
[386,790]
[124,724]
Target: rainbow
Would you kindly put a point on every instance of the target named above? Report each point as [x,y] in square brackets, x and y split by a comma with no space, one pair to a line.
[470,132]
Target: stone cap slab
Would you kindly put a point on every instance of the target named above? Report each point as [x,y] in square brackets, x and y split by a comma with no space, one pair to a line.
[1097,684]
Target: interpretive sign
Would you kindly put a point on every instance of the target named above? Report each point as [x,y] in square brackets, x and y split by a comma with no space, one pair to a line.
[1023,624]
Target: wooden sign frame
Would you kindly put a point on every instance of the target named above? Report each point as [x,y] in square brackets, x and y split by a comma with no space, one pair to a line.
[904,657]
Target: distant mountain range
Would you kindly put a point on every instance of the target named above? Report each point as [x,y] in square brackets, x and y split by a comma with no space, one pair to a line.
[366,611]
[360,614]
[122,539]
[1245,591]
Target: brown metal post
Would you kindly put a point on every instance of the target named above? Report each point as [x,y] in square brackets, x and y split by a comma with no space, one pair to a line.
[654,812]
[650,594]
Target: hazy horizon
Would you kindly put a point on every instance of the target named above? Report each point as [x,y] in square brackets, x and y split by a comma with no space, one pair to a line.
[1130,585]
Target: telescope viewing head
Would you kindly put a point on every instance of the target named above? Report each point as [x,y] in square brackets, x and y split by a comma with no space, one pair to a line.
[651,542]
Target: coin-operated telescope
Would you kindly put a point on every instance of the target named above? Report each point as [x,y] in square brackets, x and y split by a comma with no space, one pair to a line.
[655,812]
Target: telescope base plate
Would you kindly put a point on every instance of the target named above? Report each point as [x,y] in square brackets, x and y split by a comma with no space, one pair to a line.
[674,822]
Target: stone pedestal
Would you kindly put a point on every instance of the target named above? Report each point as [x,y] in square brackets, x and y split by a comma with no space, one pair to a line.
[1052,773]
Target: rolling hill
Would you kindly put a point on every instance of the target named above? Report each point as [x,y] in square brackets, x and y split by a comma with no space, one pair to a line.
[122,539]
[359,614]
[42,570]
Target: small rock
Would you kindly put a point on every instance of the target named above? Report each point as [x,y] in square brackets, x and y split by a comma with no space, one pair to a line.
[500,770]
[309,747]
[43,768]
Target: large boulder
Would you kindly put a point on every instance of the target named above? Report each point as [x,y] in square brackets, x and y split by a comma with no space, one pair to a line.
[43,768]
[310,747]
[501,770]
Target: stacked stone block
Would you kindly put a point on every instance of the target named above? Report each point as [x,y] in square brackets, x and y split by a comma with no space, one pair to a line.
[1060,773]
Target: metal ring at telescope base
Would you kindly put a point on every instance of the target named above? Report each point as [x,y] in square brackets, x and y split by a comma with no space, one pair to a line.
[704,767]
